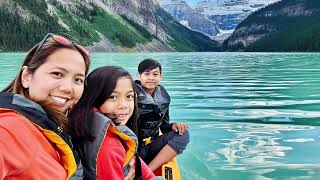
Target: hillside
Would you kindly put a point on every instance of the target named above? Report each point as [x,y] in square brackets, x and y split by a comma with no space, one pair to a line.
[289,25]
[183,39]
[100,25]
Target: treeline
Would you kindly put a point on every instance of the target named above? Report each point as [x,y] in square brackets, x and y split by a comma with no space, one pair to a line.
[120,31]
[24,23]
[81,25]
[20,34]
[298,34]
[139,28]
[298,31]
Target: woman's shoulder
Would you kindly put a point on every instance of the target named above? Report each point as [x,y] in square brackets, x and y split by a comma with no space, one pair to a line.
[17,139]
[20,133]
[13,121]
[15,127]
[25,149]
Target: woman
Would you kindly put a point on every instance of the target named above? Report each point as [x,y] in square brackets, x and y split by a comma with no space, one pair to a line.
[33,106]
[98,125]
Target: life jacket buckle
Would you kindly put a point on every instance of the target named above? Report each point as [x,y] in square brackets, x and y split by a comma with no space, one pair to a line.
[147,140]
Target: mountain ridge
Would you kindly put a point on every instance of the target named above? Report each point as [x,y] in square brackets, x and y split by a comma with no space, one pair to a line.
[99,24]
[214,18]
[288,25]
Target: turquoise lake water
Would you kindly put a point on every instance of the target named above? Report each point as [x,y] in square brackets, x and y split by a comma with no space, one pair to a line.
[250,115]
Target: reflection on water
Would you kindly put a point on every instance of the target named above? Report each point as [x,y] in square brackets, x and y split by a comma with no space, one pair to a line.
[251,115]
[248,87]
[258,151]
[256,144]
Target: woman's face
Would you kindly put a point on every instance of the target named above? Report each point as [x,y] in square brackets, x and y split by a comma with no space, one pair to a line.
[59,81]
[120,105]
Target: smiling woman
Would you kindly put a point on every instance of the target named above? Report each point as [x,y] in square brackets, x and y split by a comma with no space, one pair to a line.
[32,112]
[64,80]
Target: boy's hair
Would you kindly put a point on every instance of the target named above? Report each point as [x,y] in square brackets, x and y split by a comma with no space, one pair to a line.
[148,64]
[100,84]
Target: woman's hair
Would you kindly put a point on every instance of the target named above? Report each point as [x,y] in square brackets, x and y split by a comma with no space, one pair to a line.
[148,64]
[34,59]
[100,84]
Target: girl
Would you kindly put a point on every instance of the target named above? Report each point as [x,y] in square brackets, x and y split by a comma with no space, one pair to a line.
[105,144]
[33,141]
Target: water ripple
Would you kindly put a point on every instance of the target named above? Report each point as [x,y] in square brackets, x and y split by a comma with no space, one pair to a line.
[251,115]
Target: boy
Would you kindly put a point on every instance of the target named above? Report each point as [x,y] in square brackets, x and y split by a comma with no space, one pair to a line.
[153,103]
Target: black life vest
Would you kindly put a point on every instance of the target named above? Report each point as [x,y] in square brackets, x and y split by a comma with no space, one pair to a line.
[151,110]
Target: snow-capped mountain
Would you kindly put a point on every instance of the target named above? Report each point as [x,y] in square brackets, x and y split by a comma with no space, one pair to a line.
[229,13]
[191,18]
[224,15]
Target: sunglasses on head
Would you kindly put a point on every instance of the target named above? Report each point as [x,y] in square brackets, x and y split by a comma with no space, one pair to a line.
[61,40]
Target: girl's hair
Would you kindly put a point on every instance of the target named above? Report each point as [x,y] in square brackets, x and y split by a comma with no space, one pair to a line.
[148,64]
[100,84]
[34,59]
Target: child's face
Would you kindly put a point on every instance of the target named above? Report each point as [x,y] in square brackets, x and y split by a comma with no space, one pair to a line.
[150,79]
[120,105]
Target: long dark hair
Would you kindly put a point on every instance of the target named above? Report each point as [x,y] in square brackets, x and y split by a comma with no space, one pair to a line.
[100,84]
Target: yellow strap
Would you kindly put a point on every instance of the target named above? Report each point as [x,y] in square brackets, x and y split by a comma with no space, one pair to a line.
[65,152]
[128,141]
[147,140]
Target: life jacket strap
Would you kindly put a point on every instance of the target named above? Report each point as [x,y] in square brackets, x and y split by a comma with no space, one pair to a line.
[146,141]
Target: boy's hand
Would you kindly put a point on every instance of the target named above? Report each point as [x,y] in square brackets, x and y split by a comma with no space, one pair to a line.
[179,127]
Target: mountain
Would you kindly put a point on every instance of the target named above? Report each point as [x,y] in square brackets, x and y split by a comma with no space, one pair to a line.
[191,18]
[195,40]
[214,18]
[101,25]
[229,13]
[289,25]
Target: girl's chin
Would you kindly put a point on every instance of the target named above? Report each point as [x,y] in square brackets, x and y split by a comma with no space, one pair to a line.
[151,87]
[120,122]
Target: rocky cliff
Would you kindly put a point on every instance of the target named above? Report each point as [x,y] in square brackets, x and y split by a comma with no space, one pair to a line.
[140,11]
[191,18]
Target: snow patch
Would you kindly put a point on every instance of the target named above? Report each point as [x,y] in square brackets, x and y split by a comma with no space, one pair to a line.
[185,23]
